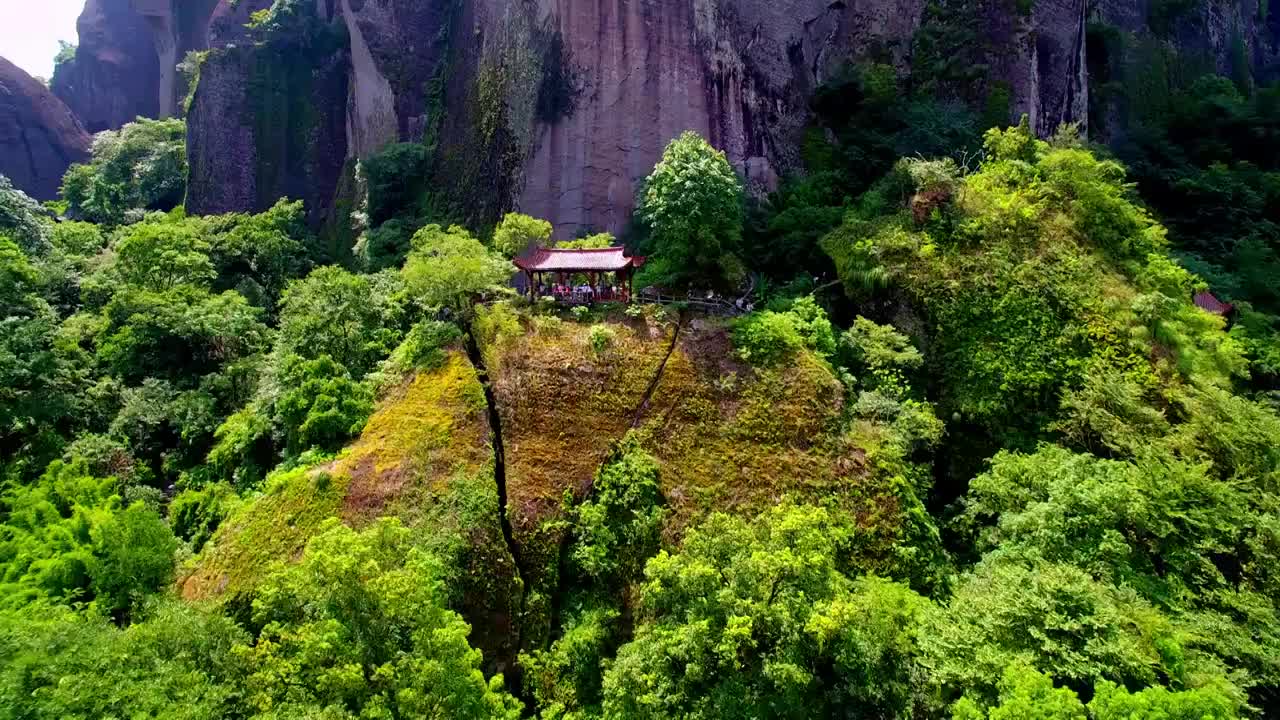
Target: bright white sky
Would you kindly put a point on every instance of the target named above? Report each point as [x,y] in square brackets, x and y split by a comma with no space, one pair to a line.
[30,31]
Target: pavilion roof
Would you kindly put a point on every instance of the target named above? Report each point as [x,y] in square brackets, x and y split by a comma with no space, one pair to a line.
[609,259]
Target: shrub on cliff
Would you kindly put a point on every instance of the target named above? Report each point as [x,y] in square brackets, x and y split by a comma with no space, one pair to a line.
[692,207]
[517,233]
[22,218]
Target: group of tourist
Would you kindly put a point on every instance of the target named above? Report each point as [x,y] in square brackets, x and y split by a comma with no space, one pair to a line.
[583,293]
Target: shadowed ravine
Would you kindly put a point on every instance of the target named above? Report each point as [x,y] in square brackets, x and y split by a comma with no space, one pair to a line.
[500,481]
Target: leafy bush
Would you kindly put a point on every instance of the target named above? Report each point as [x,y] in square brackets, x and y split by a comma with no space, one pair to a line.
[323,406]
[361,623]
[451,269]
[617,529]
[69,538]
[566,679]
[77,239]
[133,557]
[142,166]
[760,615]
[1029,695]
[22,219]
[548,325]
[767,338]
[244,450]
[601,338]
[884,357]
[354,319]
[173,659]
[424,346]
[517,233]
[1056,619]
[196,514]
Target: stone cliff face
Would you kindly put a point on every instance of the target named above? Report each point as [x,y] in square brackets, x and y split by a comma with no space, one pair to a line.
[1225,36]
[267,123]
[115,76]
[126,63]
[559,108]
[39,136]
[1141,49]
[585,94]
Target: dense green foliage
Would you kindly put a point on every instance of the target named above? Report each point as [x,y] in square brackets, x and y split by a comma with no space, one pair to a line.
[692,207]
[142,166]
[517,233]
[1011,471]
[356,629]
[732,634]
[866,117]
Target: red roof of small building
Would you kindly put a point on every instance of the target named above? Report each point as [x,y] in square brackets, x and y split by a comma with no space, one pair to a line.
[609,259]
[1206,301]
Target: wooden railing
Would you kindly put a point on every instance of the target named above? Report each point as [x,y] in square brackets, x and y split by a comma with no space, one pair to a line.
[711,304]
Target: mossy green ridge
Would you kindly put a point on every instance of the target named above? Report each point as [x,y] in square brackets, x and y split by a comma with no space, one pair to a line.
[427,430]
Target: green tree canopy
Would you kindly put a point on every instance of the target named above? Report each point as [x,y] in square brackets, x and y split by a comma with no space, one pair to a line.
[691,205]
[757,620]
[517,233]
[354,319]
[360,626]
[451,269]
[141,166]
[70,538]
[22,219]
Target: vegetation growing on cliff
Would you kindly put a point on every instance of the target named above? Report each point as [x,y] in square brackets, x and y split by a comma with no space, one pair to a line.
[138,168]
[1011,471]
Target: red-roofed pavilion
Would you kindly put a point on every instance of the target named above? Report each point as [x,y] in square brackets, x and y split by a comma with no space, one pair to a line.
[592,263]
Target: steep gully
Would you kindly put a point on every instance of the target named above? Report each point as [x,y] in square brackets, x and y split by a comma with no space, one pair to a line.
[500,480]
[566,541]
[657,377]
[499,473]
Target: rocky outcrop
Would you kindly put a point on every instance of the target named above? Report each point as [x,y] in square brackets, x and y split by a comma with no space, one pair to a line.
[115,75]
[228,20]
[560,109]
[39,136]
[267,122]
[126,63]
[1041,56]
[739,72]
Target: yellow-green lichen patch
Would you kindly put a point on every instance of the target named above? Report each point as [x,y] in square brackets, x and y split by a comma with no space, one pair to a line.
[426,430]
[728,436]
[268,529]
[732,437]
[563,404]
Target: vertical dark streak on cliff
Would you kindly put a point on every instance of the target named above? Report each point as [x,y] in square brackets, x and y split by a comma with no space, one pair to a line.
[556,611]
[657,377]
[500,481]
